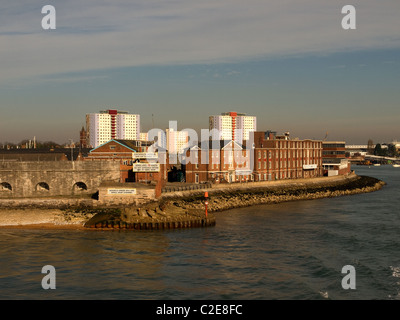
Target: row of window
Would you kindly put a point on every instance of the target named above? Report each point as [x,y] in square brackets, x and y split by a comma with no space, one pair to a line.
[334,145]
[293,153]
[260,177]
[298,144]
[325,153]
[284,164]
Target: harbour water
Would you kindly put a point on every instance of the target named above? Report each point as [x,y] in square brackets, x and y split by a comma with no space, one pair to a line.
[292,250]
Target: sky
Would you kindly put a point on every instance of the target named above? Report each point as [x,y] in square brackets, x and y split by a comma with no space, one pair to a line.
[288,62]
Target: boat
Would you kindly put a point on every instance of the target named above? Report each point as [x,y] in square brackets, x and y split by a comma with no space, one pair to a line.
[377,164]
[396,165]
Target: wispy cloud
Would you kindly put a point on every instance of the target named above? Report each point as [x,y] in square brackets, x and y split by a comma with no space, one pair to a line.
[70,78]
[232,73]
[95,34]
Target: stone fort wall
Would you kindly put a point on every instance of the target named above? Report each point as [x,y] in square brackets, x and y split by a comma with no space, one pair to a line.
[55,178]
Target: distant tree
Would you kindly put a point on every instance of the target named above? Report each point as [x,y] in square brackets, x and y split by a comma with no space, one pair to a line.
[47,145]
[379,151]
[392,151]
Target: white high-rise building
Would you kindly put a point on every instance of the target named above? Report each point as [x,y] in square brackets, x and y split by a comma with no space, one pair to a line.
[111,124]
[177,141]
[144,136]
[233,126]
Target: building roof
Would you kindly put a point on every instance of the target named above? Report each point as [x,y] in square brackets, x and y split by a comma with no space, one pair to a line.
[214,145]
[130,144]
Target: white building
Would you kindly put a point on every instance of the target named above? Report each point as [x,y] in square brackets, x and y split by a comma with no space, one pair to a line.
[111,124]
[143,136]
[177,141]
[233,126]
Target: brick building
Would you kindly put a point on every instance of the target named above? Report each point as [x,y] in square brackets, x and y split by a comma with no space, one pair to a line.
[271,157]
[217,161]
[334,158]
[83,138]
[124,152]
[279,157]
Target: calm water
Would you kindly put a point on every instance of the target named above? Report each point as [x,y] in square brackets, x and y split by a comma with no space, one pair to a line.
[284,251]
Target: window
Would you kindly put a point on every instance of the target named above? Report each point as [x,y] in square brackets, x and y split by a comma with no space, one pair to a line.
[5,186]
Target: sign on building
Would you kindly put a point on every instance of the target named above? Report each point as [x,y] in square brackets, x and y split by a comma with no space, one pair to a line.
[309,166]
[118,191]
[146,167]
[145,155]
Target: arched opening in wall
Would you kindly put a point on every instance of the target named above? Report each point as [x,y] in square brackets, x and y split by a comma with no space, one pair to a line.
[5,186]
[80,187]
[42,186]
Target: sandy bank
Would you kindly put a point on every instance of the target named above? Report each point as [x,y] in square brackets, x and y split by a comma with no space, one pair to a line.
[42,218]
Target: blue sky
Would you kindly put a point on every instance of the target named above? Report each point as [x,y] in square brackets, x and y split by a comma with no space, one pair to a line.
[289,63]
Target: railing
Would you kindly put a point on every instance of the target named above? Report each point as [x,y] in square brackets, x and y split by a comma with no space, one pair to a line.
[188,187]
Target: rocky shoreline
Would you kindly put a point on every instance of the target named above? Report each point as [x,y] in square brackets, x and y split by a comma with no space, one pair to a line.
[185,210]
[228,199]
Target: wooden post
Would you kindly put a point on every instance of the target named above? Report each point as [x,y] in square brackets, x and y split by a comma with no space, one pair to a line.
[206,202]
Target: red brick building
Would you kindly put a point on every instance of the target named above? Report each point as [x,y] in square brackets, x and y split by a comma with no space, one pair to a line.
[83,138]
[271,157]
[217,161]
[123,151]
[278,157]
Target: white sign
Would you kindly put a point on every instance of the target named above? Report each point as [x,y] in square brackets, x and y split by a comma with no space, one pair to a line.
[121,191]
[309,166]
[145,155]
[146,167]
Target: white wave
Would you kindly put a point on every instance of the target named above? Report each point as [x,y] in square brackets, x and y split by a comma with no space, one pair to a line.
[395,271]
